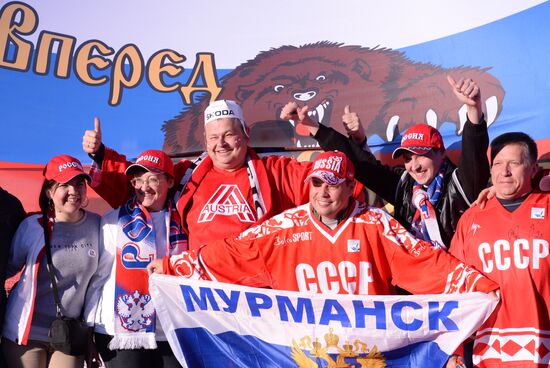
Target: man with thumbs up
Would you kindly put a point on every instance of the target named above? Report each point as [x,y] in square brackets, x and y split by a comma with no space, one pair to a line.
[430,193]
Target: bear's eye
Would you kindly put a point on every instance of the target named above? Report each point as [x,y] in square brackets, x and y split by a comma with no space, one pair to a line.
[321,77]
[278,88]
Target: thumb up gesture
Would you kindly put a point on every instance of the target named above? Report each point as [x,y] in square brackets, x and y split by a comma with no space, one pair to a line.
[353,126]
[91,141]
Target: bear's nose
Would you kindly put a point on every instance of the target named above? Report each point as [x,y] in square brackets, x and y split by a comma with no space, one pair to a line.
[304,95]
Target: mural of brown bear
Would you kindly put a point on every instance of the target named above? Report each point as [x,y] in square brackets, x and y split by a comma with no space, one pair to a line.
[387,90]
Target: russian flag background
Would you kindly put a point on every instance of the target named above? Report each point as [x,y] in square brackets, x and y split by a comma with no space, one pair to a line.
[44,112]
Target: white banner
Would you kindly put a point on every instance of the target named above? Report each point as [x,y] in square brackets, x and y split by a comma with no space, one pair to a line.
[212,324]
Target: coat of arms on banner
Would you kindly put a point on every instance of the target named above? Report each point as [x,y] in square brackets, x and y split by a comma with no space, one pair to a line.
[348,355]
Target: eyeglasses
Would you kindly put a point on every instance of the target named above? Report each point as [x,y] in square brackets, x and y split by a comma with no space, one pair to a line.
[152,181]
[318,183]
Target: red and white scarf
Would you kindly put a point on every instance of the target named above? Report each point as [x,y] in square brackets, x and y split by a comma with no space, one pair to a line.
[425,223]
[136,247]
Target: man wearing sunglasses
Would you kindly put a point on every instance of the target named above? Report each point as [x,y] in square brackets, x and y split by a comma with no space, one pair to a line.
[333,244]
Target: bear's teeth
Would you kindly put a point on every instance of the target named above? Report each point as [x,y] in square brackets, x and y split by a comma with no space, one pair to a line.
[300,145]
[392,127]
[491,104]
[320,112]
[431,118]
[462,116]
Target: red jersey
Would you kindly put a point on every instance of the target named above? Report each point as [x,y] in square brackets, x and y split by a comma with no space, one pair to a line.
[367,253]
[511,248]
[217,211]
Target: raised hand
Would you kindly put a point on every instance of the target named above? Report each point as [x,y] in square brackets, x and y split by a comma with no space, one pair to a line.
[291,111]
[467,91]
[91,141]
[353,126]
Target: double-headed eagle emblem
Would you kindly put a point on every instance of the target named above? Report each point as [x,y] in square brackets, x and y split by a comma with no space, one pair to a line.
[347,355]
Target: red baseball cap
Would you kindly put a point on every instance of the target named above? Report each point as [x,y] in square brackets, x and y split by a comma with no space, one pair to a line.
[332,167]
[419,139]
[155,161]
[64,168]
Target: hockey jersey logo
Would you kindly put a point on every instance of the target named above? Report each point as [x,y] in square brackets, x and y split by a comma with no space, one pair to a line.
[227,201]
[537,213]
[354,246]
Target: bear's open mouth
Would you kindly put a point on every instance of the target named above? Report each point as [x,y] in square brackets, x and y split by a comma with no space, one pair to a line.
[321,113]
